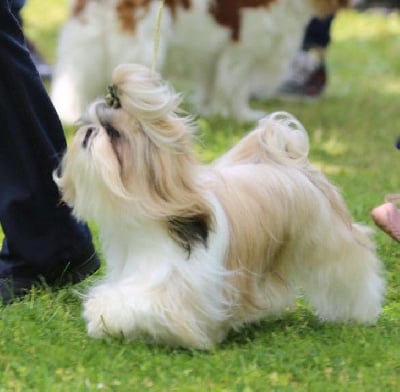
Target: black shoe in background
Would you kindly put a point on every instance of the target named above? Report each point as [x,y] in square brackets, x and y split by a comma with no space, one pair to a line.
[307,78]
[75,271]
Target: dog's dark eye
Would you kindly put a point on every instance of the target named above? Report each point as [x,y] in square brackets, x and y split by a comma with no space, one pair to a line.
[111,131]
[89,132]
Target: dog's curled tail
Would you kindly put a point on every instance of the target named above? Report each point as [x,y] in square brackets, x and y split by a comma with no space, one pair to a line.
[279,138]
[283,139]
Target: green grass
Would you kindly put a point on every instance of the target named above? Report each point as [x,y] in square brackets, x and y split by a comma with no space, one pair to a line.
[43,343]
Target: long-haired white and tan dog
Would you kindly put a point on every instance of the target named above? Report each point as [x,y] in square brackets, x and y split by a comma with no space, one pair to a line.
[222,51]
[194,250]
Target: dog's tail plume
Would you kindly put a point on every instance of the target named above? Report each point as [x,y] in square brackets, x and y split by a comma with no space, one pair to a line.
[283,139]
[279,138]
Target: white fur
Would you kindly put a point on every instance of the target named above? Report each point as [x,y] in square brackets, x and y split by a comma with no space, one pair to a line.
[151,278]
[90,47]
[195,52]
[279,227]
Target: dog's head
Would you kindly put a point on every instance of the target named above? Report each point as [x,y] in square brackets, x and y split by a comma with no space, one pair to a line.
[133,155]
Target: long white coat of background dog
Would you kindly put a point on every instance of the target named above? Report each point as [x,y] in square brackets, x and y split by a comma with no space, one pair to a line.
[220,53]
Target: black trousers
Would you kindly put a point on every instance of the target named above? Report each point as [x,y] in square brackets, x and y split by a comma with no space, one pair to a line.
[318,33]
[40,234]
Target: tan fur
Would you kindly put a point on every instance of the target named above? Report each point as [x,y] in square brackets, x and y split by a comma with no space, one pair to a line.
[165,182]
[78,7]
[263,225]
[225,12]
[126,10]
[193,250]
[254,216]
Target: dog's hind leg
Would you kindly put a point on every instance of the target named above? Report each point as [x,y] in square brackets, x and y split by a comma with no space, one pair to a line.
[343,280]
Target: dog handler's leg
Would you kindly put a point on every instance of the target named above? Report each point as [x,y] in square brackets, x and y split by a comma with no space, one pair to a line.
[42,240]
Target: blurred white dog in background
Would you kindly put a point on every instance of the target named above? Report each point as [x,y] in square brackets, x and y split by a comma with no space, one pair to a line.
[221,51]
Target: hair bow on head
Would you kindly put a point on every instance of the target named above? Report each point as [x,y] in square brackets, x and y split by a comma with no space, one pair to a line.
[112,98]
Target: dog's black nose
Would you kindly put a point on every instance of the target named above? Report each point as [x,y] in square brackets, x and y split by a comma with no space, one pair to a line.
[89,132]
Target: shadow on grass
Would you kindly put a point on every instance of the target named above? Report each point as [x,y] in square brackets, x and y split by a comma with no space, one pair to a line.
[302,321]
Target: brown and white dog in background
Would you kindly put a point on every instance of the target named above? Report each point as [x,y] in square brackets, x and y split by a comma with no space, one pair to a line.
[221,51]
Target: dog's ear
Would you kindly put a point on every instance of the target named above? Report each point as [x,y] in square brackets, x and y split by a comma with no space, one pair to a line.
[164,165]
[172,193]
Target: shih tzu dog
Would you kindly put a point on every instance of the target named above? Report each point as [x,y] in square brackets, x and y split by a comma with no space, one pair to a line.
[221,51]
[195,250]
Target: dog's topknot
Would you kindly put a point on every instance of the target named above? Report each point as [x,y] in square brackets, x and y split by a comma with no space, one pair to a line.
[143,93]
[152,102]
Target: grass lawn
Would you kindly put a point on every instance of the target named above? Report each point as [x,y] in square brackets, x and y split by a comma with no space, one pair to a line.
[43,343]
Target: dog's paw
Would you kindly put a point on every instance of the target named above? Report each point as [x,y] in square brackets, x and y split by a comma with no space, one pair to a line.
[104,314]
[108,313]
[94,315]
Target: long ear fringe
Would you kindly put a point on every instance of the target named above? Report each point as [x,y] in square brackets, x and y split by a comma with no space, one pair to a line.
[170,189]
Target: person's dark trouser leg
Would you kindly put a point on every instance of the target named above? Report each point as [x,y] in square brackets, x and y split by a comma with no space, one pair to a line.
[41,237]
[318,33]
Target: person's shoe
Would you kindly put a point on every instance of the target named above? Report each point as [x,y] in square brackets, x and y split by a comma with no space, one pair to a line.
[13,288]
[387,217]
[75,272]
[307,78]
